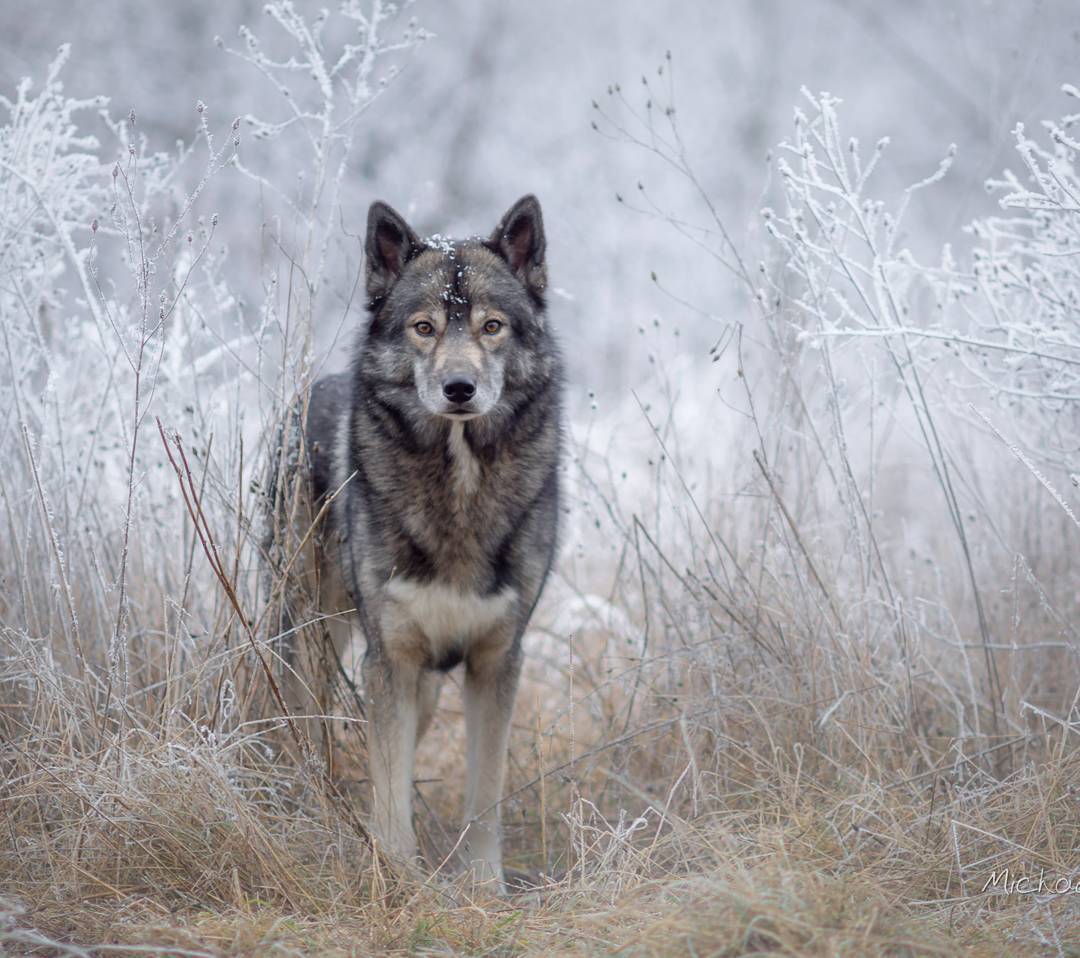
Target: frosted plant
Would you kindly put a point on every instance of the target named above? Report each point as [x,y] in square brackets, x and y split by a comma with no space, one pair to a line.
[330,77]
[853,278]
[53,188]
[82,338]
[1008,320]
[840,240]
[1017,309]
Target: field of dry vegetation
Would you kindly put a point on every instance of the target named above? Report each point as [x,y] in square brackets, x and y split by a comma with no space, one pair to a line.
[805,679]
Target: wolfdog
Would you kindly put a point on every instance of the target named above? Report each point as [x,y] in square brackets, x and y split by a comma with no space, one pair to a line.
[438,453]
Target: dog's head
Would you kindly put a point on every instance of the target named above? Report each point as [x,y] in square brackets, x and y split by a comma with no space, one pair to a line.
[459,320]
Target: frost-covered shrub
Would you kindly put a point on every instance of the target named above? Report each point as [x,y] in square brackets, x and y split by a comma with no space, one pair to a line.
[1005,328]
[109,275]
[1021,332]
[326,71]
[54,187]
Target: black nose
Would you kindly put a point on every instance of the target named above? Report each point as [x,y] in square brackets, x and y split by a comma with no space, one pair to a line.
[459,389]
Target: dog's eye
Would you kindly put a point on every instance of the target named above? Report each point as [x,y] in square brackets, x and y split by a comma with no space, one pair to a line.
[492,326]
[424,328]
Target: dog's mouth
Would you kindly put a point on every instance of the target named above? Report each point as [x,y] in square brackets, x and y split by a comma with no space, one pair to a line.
[460,412]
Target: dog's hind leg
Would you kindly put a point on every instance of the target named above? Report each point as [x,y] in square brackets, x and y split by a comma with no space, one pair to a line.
[490,687]
[430,686]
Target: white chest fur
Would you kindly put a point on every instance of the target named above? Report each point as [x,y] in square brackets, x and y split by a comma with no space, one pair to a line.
[446,614]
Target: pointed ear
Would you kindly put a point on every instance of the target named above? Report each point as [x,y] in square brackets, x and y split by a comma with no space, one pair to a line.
[519,239]
[390,244]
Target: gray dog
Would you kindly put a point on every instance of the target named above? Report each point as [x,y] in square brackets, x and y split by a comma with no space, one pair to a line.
[440,450]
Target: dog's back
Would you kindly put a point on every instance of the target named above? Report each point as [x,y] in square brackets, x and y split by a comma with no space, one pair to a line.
[327,414]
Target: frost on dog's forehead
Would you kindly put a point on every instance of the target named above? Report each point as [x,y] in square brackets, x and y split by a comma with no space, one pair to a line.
[448,245]
[453,295]
[461,273]
[440,274]
[452,271]
[444,244]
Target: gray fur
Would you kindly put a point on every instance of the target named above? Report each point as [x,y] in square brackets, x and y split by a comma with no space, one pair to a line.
[445,526]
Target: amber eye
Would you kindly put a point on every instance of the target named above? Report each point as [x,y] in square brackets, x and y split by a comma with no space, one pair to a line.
[492,326]
[423,328]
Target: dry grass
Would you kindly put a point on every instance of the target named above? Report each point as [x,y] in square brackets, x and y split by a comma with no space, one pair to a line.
[704,768]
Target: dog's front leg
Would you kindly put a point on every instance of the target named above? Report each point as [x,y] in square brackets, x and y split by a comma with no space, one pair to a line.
[392,687]
[491,680]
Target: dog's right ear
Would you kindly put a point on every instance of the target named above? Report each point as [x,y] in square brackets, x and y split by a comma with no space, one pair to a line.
[519,239]
[390,244]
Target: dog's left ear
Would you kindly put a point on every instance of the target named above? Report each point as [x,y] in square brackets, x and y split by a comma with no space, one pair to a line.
[519,239]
